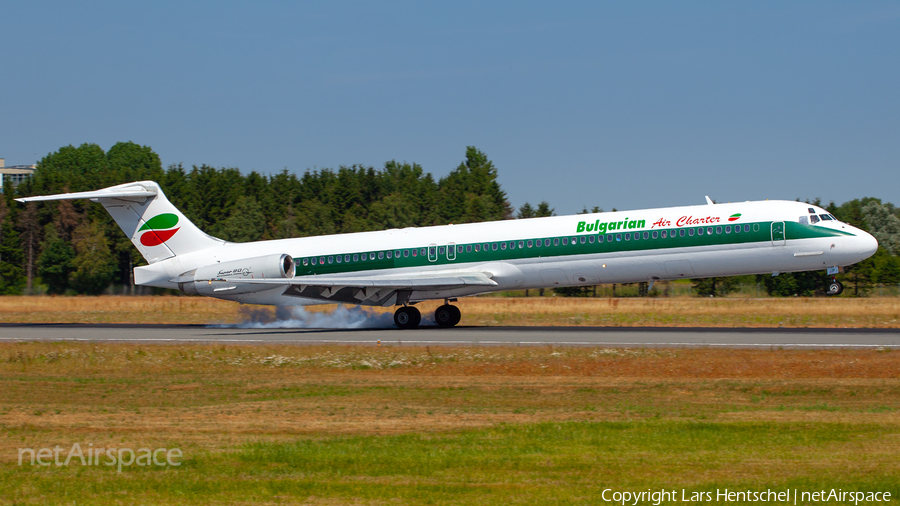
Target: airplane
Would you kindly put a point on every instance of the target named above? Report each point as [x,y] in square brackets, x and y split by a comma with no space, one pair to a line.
[401,267]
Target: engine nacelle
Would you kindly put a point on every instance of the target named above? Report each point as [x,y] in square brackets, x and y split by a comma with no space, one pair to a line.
[215,280]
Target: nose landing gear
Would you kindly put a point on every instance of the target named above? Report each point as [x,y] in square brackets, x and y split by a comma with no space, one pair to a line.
[835,287]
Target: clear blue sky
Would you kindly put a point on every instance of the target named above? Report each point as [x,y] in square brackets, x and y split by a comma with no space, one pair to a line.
[619,104]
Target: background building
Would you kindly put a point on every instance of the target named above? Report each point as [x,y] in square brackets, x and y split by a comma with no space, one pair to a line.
[15,174]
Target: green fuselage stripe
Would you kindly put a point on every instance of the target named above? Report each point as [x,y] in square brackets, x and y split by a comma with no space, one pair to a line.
[758,232]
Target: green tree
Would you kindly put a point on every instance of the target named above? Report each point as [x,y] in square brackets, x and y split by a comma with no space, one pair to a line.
[883,225]
[544,210]
[12,275]
[790,284]
[54,265]
[94,266]
[715,287]
[245,223]
[472,193]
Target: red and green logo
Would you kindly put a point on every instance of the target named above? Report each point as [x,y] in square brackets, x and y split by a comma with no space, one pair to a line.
[159,229]
[734,217]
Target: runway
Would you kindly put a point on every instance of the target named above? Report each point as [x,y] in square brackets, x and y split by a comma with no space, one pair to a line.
[461,336]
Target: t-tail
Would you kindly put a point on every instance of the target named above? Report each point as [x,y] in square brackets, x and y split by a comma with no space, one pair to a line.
[142,211]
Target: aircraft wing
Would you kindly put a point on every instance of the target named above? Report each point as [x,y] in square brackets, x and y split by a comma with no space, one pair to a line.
[371,290]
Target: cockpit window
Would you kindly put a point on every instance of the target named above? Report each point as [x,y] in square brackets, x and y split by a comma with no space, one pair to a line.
[813,218]
[826,217]
[804,220]
[812,211]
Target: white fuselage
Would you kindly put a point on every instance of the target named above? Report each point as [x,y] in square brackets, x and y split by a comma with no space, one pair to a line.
[772,239]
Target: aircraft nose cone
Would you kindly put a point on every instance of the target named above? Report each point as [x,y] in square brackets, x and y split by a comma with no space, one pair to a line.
[868,245]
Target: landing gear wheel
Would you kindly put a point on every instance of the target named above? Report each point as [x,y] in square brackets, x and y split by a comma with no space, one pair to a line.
[407,317]
[835,288]
[447,315]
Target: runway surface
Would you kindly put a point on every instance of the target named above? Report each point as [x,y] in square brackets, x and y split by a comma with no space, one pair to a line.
[462,336]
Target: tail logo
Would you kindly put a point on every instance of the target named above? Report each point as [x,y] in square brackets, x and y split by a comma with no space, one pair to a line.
[159,229]
[734,217]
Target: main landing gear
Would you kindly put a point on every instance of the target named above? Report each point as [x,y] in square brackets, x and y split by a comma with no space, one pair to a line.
[408,317]
[447,315]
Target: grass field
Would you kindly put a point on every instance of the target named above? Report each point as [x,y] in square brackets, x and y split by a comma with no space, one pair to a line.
[332,425]
[679,312]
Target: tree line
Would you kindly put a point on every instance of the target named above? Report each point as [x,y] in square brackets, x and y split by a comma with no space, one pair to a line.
[74,247]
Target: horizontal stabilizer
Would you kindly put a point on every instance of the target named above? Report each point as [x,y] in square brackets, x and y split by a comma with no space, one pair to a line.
[118,192]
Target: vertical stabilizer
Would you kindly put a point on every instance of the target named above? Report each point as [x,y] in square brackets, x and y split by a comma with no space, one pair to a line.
[156,228]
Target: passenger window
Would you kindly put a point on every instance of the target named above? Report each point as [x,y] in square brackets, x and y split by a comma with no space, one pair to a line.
[691,232]
[565,241]
[700,231]
[618,237]
[321,260]
[494,246]
[521,244]
[381,255]
[583,239]
[599,238]
[459,249]
[441,250]
[423,252]
[637,235]
[530,243]
[746,228]
[405,253]
[502,246]
[681,232]
[487,246]
[627,237]
[737,229]
[314,260]
[468,248]
[593,238]
[330,259]
[415,253]
[574,241]
[477,248]
[547,243]
[813,218]
[397,253]
[305,262]
[555,241]
[512,244]
[362,257]
[727,229]
[662,234]
[655,234]
[718,230]
[389,255]
[709,230]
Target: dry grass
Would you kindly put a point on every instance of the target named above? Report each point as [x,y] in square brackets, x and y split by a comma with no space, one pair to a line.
[208,394]
[342,422]
[675,312]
